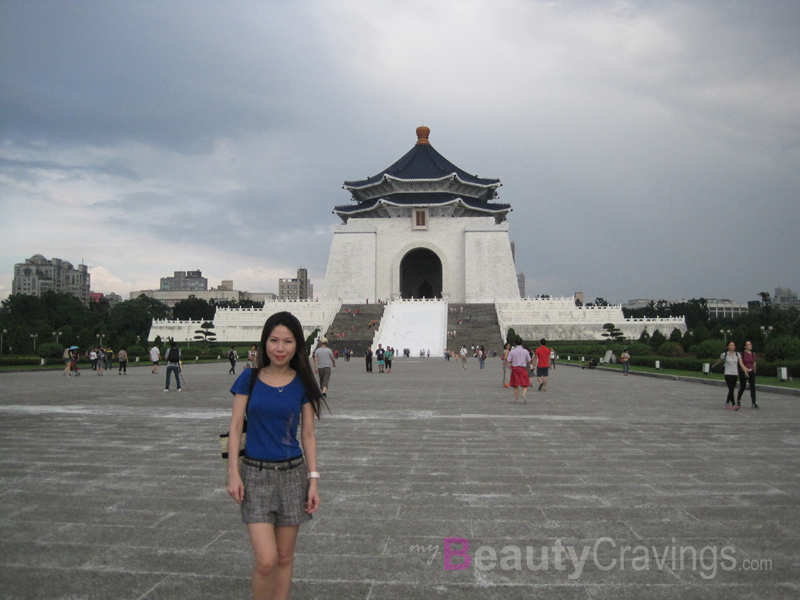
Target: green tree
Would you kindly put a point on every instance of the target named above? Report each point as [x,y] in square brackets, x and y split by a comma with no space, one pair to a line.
[657,339]
[193,309]
[613,333]
[511,336]
[205,333]
[676,336]
[135,317]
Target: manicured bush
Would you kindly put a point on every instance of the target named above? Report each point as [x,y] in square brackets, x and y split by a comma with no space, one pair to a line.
[710,349]
[670,349]
[16,361]
[782,348]
[135,351]
[50,350]
[639,349]
[770,369]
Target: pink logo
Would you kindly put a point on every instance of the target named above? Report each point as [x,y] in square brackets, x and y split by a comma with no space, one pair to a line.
[449,552]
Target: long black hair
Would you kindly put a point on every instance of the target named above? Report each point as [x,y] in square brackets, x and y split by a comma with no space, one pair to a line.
[300,361]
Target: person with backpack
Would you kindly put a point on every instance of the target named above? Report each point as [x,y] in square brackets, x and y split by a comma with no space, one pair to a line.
[174,365]
[482,357]
[733,364]
[233,357]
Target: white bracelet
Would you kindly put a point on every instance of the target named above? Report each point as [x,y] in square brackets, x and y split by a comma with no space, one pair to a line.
[313,475]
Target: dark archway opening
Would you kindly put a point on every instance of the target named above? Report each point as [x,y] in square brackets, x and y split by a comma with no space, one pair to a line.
[421,274]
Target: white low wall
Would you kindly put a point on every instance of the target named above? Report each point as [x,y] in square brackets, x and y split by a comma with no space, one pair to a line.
[239,325]
[560,319]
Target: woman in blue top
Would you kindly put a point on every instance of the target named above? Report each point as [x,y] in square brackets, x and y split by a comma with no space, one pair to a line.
[277,489]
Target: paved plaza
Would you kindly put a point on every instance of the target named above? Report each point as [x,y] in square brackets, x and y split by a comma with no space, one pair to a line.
[112,489]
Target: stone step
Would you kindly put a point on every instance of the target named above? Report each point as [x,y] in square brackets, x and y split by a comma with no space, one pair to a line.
[360,317]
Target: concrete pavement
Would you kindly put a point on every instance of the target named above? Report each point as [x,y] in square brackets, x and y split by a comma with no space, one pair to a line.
[113,489]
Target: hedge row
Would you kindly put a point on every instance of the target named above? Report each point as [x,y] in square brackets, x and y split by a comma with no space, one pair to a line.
[763,367]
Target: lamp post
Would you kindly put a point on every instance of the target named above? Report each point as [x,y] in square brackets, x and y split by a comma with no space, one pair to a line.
[765,331]
[34,336]
[100,337]
[57,334]
[726,333]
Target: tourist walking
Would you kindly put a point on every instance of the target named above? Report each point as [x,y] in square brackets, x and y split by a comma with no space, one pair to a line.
[519,358]
[733,363]
[324,360]
[67,362]
[93,358]
[542,364]
[155,357]
[482,357]
[368,359]
[463,354]
[173,365]
[506,364]
[233,357]
[277,488]
[100,361]
[748,375]
[625,359]
[73,366]
[123,361]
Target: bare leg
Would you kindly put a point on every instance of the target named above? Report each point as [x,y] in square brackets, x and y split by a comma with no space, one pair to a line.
[273,548]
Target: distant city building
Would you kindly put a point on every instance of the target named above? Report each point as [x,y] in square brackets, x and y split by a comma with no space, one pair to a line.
[520,280]
[637,303]
[299,288]
[112,298]
[38,275]
[785,297]
[726,309]
[579,297]
[184,281]
[221,294]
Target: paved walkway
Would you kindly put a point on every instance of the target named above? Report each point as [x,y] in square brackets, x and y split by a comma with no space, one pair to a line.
[113,489]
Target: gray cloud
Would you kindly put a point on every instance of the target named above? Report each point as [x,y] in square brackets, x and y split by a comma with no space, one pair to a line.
[647,149]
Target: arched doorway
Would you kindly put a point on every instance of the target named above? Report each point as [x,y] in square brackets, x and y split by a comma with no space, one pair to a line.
[421,274]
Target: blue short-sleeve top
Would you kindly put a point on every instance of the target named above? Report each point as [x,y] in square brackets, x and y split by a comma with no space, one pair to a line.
[272,417]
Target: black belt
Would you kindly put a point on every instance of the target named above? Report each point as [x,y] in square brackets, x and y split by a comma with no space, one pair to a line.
[284,465]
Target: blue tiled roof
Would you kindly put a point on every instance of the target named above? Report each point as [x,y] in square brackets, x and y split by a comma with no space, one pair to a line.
[432,198]
[422,162]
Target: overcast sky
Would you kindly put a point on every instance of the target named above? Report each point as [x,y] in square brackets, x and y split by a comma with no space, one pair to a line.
[648,149]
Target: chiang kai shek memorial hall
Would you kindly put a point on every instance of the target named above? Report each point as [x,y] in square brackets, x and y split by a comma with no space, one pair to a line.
[421,236]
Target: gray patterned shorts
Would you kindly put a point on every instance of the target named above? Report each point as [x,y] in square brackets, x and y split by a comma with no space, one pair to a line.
[275,496]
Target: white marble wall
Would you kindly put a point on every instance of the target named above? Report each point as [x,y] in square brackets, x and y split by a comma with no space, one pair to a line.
[245,324]
[365,258]
[560,319]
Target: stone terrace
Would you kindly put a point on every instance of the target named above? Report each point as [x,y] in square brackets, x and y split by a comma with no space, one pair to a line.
[113,489]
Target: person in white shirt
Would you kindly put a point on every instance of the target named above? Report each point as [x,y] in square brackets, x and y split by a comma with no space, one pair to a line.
[519,358]
[155,356]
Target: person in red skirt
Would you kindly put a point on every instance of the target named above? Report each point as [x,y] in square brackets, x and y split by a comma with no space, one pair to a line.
[519,358]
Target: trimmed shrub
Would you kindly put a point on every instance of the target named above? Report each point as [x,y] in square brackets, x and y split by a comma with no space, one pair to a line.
[710,349]
[770,369]
[139,351]
[16,361]
[51,350]
[639,349]
[670,349]
[782,348]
